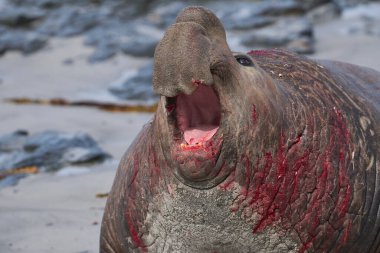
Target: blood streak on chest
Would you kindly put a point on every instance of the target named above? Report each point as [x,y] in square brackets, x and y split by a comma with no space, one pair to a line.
[275,187]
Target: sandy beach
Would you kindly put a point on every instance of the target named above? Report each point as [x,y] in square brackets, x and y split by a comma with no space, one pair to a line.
[59,212]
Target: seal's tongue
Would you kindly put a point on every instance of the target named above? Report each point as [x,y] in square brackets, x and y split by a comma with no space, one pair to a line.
[198,115]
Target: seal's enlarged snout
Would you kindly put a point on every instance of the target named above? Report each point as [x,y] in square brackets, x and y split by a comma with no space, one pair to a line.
[188,51]
[186,44]
[191,72]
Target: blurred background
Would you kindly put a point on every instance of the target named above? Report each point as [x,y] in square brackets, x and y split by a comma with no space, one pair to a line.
[75,89]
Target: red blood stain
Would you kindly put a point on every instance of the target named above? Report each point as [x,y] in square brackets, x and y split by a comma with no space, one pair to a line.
[307,245]
[170,108]
[197,82]
[227,185]
[281,159]
[346,233]
[275,186]
[186,147]
[135,169]
[134,234]
[248,172]
[259,52]
[254,113]
[194,156]
[155,171]
[142,183]
[132,214]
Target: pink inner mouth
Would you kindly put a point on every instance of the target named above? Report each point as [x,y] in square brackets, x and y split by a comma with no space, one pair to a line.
[198,115]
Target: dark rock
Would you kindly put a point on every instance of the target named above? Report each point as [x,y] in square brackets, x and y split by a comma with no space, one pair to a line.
[246,15]
[49,4]
[282,34]
[249,22]
[111,30]
[27,42]
[11,180]
[138,38]
[142,46]
[283,8]
[139,7]
[323,13]
[363,19]
[343,4]
[20,16]
[106,40]
[2,50]
[68,61]
[33,42]
[165,14]
[303,45]
[103,52]
[40,3]
[70,21]
[48,151]
[310,4]
[13,141]
[135,85]
[53,150]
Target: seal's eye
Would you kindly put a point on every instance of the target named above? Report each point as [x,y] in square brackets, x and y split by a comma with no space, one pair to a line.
[244,60]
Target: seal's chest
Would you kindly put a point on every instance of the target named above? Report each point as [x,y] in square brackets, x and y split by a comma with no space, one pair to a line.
[190,220]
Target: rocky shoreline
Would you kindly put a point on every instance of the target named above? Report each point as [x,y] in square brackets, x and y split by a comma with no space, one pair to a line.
[134,28]
[121,27]
[131,28]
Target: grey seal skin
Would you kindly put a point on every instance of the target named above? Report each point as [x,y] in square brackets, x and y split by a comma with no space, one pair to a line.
[261,152]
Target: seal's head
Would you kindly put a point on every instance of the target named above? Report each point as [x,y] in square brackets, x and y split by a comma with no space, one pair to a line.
[209,96]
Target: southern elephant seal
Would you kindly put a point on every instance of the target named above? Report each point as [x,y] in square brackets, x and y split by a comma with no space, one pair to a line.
[261,152]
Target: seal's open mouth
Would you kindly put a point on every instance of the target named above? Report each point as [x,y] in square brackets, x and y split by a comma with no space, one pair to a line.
[197,116]
[194,120]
